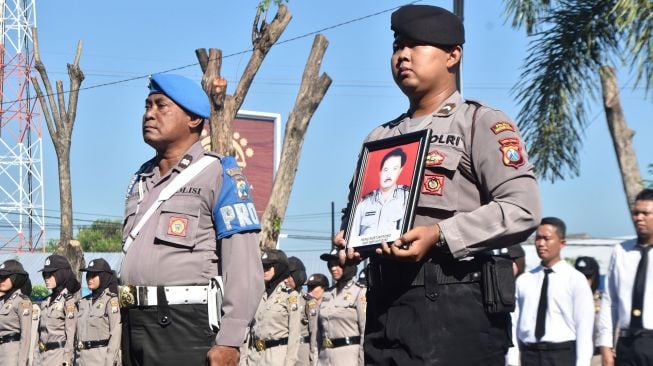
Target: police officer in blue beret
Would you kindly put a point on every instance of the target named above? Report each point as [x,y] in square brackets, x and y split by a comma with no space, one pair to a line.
[189,217]
[439,295]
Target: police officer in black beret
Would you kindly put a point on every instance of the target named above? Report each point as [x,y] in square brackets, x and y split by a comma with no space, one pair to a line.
[429,298]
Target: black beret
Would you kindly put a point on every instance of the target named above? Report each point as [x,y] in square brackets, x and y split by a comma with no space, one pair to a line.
[429,24]
[97,265]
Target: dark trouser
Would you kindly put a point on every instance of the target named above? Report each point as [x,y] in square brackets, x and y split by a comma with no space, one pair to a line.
[548,354]
[406,327]
[635,351]
[184,341]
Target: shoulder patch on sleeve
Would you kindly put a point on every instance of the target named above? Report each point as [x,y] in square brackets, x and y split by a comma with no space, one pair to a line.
[114,305]
[27,307]
[70,310]
[234,211]
[292,300]
[513,154]
[502,126]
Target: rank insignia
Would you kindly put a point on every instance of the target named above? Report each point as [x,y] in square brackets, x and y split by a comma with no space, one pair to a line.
[447,108]
[348,296]
[99,305]
[512,152]
[185,161]
[433,184]
[502,126]
[7,306]
[434,158]
[177,226]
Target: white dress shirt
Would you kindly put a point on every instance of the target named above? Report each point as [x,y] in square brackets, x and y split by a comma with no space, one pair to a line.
[618,296]
[570,310]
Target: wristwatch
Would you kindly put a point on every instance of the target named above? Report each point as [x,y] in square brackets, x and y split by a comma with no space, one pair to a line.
[442,242]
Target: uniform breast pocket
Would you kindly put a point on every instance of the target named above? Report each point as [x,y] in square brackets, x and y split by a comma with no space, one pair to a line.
[178,222]
[439,189]
[369,221]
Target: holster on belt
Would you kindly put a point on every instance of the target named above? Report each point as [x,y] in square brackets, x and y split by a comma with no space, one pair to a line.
[498,285]
[214,301]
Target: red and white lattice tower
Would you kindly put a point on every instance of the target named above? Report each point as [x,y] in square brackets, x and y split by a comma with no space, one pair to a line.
[22,216]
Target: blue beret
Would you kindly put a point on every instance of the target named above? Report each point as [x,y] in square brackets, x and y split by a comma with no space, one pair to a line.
[430,24]
[183,91]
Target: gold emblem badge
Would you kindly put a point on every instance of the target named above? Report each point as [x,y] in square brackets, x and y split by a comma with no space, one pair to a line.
[177,226]
[637,312]
[260,345]
[433,184]
[434,158]
[42,347]
[126,296]
[328,343]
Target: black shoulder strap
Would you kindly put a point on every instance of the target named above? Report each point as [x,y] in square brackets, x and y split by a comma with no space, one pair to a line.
[483,194]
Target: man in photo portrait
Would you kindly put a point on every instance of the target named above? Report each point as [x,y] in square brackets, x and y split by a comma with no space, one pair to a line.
[379,216]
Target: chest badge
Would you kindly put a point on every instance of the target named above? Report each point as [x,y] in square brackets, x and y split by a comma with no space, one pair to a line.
[177,226]
[434,158]
[433,184]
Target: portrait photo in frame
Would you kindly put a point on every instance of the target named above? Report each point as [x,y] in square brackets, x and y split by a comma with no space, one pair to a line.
[386,190]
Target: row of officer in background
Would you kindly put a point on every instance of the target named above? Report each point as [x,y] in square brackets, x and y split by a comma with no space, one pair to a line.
[324,326]
[561,319]
[65,329]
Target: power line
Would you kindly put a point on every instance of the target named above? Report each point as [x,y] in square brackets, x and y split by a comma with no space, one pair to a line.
[223,57]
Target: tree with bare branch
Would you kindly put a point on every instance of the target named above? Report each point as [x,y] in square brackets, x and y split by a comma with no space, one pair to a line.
[60,120]
[224,108]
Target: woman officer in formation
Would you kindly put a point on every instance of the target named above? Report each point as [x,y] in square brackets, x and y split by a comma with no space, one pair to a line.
[341,317]
[97,340]
[58,314]
[276,330]
[15,314]
[296,280]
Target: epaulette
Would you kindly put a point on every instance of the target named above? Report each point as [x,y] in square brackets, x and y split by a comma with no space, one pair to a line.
[68,296]
[307,296]
[288,290]
[360,284]
[213,154]
[87,296]
[395,121]
[111,294]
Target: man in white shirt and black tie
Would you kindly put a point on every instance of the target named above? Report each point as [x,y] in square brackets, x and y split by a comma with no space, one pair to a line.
[555,306]
[627,304]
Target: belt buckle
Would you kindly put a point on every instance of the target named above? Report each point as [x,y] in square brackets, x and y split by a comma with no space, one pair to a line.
[80,345]
[328,343]
[260,345]
[127,296]
[42,347]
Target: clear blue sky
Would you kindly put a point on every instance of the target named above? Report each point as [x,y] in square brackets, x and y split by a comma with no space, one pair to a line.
[126,39]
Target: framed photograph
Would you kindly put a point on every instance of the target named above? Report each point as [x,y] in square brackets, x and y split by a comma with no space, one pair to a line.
[386,190]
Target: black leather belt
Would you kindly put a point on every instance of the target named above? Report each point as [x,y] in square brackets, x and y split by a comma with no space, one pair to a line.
[13,337]
[340,342]
[548,346]
[635,333]
[43,347]
[305,339]
[383,272]
[262,345]
[91,344]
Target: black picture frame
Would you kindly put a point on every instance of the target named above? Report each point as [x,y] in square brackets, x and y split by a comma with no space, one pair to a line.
[394,214]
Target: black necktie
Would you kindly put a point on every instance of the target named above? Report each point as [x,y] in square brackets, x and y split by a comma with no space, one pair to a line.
[540,321]
[638,290]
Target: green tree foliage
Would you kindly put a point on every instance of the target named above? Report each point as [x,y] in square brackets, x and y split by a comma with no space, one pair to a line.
[101,236]
[571,41]
[39,292]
